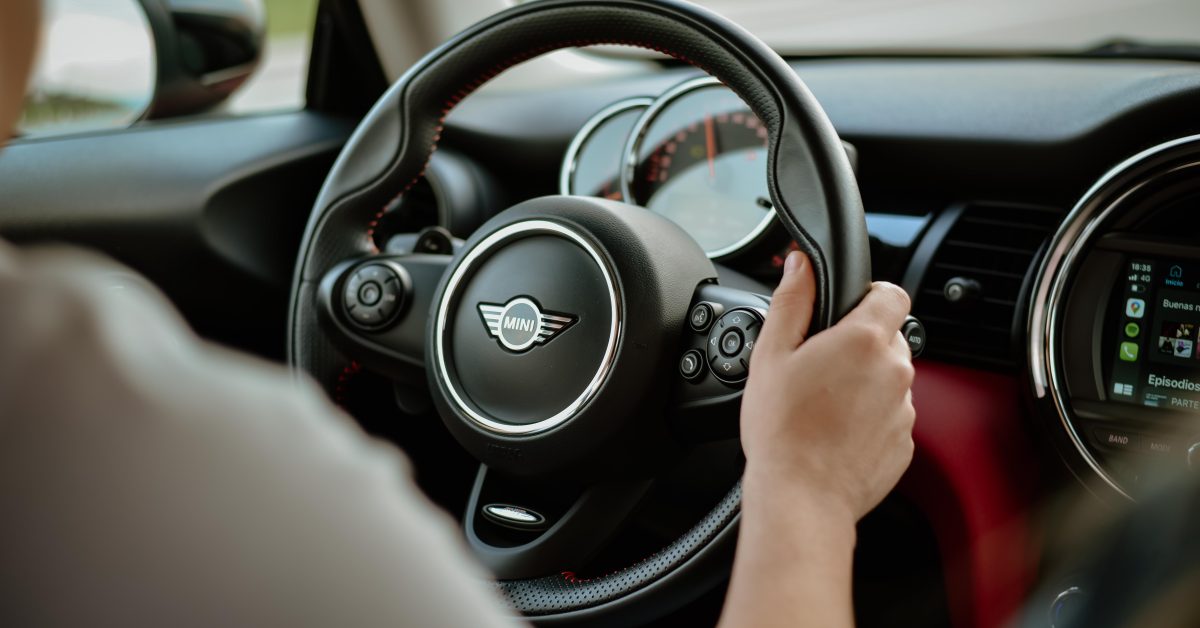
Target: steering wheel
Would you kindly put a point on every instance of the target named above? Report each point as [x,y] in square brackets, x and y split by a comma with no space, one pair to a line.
[570,340]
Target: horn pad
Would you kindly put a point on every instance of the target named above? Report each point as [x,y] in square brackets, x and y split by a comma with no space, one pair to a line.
[535,329]
[554,329]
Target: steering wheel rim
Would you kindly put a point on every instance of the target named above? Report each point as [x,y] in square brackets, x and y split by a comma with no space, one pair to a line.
[810,182]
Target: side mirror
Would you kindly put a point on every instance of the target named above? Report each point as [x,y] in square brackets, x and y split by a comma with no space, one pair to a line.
[207,49]
[109,63]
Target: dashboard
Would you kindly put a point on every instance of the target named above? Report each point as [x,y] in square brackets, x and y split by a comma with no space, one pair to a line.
[984,182]
[969,170]
[1114,287]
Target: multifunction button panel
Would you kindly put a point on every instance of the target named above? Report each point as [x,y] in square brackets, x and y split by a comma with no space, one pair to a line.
[373,295]
[730,342]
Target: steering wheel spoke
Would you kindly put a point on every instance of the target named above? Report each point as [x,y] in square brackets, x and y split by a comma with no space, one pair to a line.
[375,310]
[522,528]
[714,361]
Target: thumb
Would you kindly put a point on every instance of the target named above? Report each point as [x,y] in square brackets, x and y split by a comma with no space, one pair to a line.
[792,304]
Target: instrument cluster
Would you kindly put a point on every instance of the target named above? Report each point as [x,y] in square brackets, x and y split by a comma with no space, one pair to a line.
[695,154]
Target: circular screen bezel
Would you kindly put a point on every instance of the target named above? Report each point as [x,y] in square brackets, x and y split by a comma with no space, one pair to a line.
[1107,202]
[635,145]
[588,133]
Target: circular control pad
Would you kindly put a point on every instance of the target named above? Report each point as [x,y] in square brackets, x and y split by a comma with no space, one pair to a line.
[374,295]
[730,343]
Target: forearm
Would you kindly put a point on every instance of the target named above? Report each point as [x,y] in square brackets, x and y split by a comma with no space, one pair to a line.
[819,454]
[794,560]
[158,450]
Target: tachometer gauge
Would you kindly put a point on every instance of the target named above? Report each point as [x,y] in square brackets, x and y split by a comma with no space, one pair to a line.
[592,164]
[699,157]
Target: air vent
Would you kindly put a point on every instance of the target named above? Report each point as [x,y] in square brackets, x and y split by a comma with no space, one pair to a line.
[988,251]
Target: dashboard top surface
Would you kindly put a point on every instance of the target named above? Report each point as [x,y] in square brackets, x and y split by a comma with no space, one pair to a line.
[1024,100]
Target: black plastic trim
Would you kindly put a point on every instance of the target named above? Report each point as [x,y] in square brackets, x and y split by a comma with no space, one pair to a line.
[210,210]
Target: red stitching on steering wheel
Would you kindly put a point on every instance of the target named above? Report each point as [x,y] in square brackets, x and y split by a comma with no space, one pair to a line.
[495,71]
[343,381]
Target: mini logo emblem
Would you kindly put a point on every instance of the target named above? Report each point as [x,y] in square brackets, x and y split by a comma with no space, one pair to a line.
[520,323]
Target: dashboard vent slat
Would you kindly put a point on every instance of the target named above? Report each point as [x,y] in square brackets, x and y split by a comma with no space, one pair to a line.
[985,271]
[996,246]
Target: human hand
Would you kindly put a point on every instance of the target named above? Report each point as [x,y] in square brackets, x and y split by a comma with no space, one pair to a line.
[830,417]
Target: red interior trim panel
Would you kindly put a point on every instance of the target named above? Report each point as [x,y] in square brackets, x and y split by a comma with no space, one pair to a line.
[974,475]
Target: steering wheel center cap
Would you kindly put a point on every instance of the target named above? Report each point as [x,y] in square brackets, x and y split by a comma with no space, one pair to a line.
[524,285]
[554,332]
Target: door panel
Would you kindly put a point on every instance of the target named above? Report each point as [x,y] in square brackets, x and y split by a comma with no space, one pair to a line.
[209,210]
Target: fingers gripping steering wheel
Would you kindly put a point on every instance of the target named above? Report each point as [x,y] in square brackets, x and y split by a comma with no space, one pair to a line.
[551,340]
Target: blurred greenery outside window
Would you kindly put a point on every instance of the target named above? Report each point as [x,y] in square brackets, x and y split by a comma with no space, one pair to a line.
[280,80]
[96,67]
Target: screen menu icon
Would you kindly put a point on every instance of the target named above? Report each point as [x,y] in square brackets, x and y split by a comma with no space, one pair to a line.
[1135,308]
[1133,319]
[1177,339]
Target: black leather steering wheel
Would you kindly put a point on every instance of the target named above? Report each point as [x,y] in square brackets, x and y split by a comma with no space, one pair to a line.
[551,340]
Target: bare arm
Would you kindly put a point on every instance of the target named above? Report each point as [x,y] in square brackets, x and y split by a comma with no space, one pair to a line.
[18,33]
[149,478]
[827,430]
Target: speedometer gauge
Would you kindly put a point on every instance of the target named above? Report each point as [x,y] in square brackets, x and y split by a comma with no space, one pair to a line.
[699,157]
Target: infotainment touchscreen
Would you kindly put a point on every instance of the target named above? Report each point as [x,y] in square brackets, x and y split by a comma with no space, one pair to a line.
[1157,358]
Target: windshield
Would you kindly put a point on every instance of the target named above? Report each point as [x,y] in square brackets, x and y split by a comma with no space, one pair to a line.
[823,26]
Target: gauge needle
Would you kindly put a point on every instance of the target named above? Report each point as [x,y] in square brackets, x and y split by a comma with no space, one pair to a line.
[710,141]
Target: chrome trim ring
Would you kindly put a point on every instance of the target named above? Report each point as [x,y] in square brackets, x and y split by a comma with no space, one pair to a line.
[480,252]
[1067,247]
[1060,599]
[571,159]
[513,516]
[634,145]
